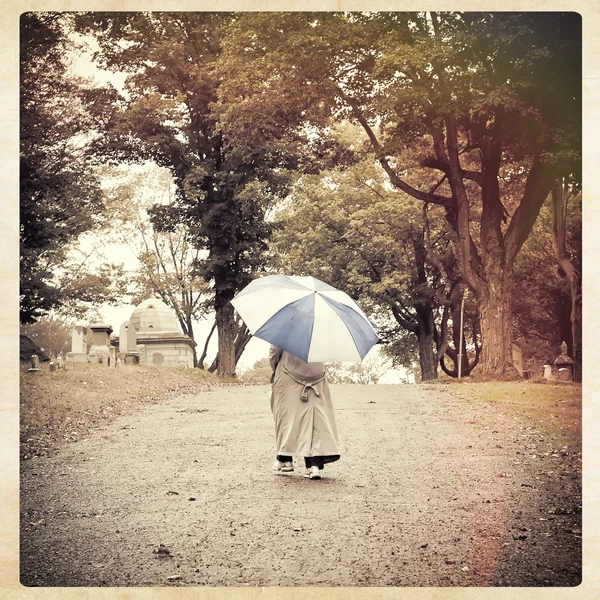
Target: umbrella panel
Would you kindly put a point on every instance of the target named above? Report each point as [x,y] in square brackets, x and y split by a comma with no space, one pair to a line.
[260,306]
[291,328]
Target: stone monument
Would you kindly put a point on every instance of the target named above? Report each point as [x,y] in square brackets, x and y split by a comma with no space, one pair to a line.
[156,336]
[564,365]
[78,344]
[517,358]
[112,357]
[100,349]
[128,350]
[35,364]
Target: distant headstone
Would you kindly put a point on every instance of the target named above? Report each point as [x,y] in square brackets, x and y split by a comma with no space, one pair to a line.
[35,363]
[132,355]
[78,344]
[52,366]
[517,358]
[564,363]
[131,338]
[564,374]
[123,339]
[60,361]
[112,356]
[548,372]
[99,350]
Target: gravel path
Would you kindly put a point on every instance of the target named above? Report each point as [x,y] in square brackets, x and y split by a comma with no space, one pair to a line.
[432,490]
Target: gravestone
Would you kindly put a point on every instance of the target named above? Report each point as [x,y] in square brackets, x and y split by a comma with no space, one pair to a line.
[123,339]
[548,372]
[112,357]
[99,350]
[78,344]
[130,353]
[60,361]
[564,374]
[35,363]
[517,358]
[564,364]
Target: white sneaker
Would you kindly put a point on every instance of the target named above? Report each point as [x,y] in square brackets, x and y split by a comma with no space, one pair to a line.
[313,473]
[284,467]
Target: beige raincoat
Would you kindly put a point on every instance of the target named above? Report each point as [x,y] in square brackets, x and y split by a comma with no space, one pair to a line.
[302,407]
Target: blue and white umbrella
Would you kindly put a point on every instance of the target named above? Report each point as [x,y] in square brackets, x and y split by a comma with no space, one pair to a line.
[306,317]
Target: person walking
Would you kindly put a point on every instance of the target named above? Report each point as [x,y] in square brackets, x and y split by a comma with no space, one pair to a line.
[303,413]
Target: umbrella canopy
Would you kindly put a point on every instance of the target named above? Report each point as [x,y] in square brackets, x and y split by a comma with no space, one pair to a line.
[306,317]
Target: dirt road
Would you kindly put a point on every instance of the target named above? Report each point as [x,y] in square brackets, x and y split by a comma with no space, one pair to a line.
[434,488]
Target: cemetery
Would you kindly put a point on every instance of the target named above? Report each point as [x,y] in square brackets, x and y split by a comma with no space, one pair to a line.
[403,187]
[151,336]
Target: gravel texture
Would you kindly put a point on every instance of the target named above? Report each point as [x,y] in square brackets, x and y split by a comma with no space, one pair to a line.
[435,487]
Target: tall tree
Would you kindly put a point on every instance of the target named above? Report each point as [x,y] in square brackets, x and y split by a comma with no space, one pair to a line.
[59,191]
[230,161]
[346,228]
[570,267]
[167,258]
[493,96]
[542,307]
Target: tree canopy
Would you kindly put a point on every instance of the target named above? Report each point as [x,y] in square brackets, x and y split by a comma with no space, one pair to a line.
[60,194]
[492,100]
[467,122]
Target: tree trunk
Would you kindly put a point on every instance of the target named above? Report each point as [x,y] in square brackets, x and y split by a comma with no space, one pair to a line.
[241,341]
[425,335]
[205,349]
[560,195]
[226,333]
[496,327]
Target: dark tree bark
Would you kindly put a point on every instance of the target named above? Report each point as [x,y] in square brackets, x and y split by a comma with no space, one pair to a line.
[560,197]
[205,349]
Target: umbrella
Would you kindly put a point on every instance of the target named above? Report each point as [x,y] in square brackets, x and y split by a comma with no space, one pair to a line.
[306,317]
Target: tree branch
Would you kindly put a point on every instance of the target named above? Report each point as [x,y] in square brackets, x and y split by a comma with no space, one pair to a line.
[540,179]
[380,154]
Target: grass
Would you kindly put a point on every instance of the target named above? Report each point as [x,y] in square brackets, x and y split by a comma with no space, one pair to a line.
[67,404]
[554,407]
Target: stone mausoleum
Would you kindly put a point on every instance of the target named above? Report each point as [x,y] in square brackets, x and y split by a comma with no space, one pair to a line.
[158,339]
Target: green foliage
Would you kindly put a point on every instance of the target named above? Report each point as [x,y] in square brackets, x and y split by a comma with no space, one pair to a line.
[51,332]
[541,300]
[259,374]
[353,231]
[193,108]
[59,192]
[482,96]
